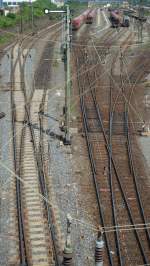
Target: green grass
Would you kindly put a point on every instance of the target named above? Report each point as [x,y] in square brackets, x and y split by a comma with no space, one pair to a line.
[6,22]
[12,20]
[77,7]
[5,39]
[146,13]
[26,13]
[137,2]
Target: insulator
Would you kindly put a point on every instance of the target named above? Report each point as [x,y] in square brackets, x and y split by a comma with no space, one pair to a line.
[99,252]
[67,261]
[68,254]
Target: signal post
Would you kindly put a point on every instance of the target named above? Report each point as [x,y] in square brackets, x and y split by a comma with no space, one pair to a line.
[67,139]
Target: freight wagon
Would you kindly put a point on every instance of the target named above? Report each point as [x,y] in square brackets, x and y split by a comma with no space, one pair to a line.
[118,20]
[90,17]
[80,20]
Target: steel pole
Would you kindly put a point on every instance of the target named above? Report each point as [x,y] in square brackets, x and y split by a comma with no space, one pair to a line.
[21,19]
[68,81]
[32,17]
[67,137]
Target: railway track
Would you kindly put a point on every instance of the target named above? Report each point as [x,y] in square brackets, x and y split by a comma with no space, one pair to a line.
[35,225]
[118,194]
[110,154]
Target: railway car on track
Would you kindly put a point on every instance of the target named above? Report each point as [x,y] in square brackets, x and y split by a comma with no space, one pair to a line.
[91,15]
[126,21]
[80,20]
[117,19]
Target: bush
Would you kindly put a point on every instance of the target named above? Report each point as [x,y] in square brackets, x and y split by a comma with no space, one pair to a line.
[11,15]
[5,39]
[6,22]
[26,12]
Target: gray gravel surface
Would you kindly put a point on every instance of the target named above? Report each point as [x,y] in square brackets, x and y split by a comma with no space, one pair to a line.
[29,70]
[5,178]
[5,65]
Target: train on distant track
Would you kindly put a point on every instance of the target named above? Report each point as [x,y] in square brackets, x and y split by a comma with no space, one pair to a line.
[86,17]
[119,20]
[91,15]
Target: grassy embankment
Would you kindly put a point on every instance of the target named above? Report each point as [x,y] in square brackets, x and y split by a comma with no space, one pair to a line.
[77,7]
[24,16]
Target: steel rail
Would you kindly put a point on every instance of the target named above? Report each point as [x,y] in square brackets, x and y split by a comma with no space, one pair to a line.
[113,165]
[22,245]
[111,178]
[44,191]
[130,154]
[116,233]
[134,174]
[42,181]
[43,184]
[119,181]
[95,180]
[131,165]
[92,162]
[121,189]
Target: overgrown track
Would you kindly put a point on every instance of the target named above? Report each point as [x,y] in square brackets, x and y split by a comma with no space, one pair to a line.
[110,152]
[35,225]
